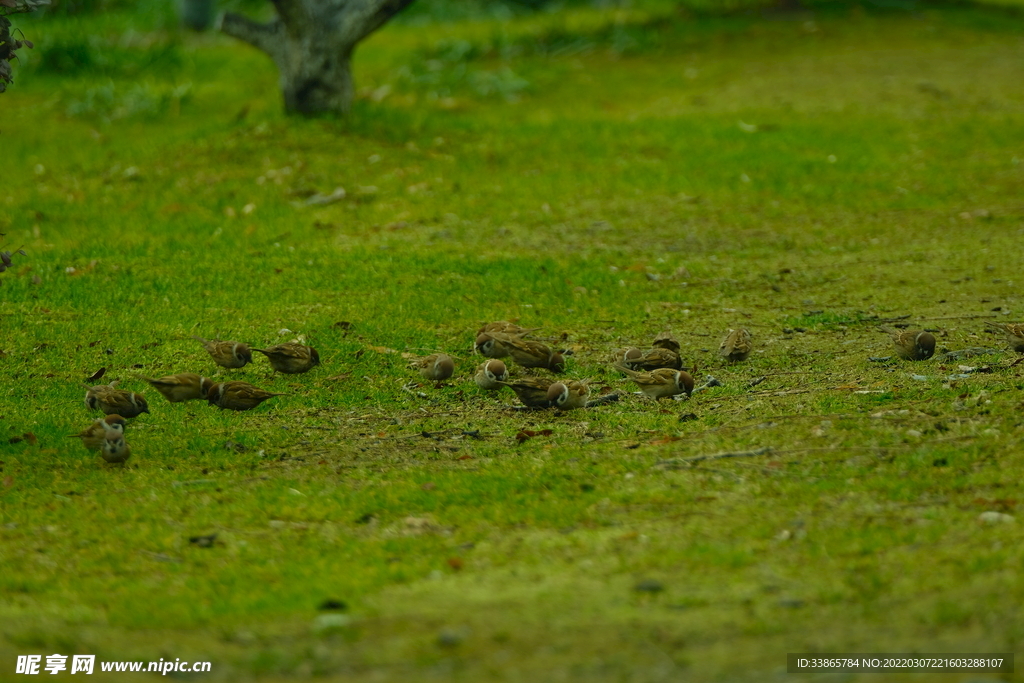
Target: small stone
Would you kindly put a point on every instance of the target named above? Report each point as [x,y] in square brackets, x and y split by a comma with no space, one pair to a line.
[992,517]
[330,622]
[649,586]
[449,639]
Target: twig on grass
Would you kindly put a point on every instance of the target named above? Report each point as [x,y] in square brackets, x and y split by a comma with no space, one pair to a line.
[715,456]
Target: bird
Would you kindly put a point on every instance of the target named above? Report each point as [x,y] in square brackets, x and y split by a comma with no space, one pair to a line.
[185,386]
[227,354]
[114,448]
[532,391]
[654,359]
[625,355]
[492,337]
[569,395]
[112,401]
[912,344]
[736,346]
[237,395]
[1014,334]
[93,435]
[665,340]
[291,358]
[533,354]
[661,383]
[490,347]
[491,374]
[506,328]
[93,394]
[435,367]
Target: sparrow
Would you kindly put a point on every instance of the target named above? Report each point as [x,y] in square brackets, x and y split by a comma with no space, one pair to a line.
[491,374]
[111,401]
[912,344]
[291,358]
[661,383]
[532,391]
[185,386]
[625,355]
[655,358]
[227,354]
[114,448]
[236,395]
[736,346]
[93,394]
[506,328]
[569,395]
[490,347]
[93,435]
[1014,334]
[665,340]
[435,367]
[532,354]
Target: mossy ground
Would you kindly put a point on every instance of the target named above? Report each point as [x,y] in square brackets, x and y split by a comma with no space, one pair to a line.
[605,175]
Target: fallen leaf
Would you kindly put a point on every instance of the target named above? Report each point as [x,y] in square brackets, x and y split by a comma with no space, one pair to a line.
[456,563]
[203,541]
[464,457]
[96,375]
[31,438]
[382,349]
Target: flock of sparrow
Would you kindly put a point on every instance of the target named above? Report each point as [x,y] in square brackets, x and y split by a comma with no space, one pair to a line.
[658,373]
[106,435]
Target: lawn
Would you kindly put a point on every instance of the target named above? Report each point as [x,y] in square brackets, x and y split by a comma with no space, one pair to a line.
[605,175]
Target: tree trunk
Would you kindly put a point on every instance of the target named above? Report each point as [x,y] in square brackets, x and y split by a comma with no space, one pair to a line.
[311,42]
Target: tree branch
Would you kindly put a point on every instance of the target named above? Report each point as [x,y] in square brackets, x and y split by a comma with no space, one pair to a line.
[266,37]
[366,16]
[293,14]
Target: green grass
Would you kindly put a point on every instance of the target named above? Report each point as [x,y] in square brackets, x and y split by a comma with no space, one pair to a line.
[606,175]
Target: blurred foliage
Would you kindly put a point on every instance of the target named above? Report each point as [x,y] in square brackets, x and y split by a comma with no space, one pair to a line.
[112,102]
[10,42]
[128,55]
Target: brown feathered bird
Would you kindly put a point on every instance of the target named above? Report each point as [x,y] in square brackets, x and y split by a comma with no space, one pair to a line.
[569,395]
[532,391]
[1014,334]
[736,346]
[236,395]
[115,449]
[291,358]
[185,386]
[665,340]
[92,436]
[112,401]
[661,383]
[227,354]
[506,328]
[912,344]
[654,359]
[534,354]
[491,338]
[491,374]
[435,367]
[626,355]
